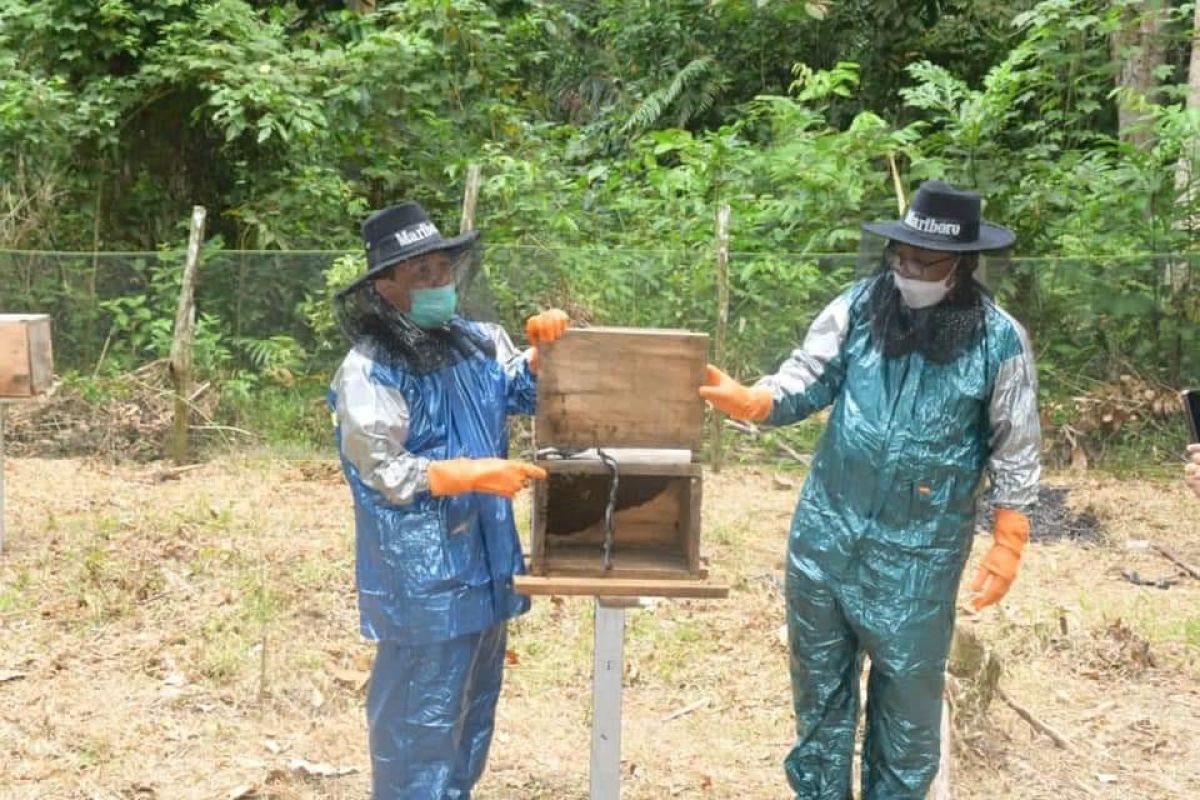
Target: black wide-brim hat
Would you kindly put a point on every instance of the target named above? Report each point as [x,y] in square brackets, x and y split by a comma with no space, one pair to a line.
[399,233]
[942,217]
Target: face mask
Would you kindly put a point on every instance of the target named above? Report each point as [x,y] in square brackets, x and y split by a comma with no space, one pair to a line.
[433,308]
[922,294]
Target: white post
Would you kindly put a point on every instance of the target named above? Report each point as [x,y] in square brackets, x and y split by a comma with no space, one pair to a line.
[607,674]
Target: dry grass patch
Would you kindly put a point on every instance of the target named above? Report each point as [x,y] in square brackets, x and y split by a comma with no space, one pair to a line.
[197,638]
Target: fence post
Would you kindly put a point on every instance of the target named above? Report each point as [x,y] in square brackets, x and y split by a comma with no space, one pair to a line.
[181,343]
[718,420]
[897,185]
[470,197]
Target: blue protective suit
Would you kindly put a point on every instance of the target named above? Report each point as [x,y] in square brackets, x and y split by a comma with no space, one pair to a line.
[434,574]
[883,529]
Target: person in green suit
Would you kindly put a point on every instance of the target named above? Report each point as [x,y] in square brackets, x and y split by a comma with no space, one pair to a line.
[931,384]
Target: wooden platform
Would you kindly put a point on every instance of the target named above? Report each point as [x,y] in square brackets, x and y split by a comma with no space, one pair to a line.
[617,587]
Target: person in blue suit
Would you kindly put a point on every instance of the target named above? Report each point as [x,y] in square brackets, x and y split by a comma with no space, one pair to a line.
[421,403]
[930,384]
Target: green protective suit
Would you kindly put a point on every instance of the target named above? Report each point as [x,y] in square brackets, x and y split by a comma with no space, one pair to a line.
[883,529]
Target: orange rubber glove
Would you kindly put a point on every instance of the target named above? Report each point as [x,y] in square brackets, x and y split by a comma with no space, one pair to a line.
[544,328]
[998,569]
[739,402]
[547,326]
[496,476]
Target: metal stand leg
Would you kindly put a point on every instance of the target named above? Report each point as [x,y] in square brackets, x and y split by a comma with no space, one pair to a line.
[608,671]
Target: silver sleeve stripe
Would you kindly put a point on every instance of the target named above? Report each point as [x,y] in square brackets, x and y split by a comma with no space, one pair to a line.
[807,363]
[373,420]
[1016,439]
[506,353]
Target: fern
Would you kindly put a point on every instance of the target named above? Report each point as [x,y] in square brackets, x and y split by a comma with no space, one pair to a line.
[275,352]
[698,79]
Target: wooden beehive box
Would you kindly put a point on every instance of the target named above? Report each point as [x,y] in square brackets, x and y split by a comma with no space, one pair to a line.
[631,394]
[26,359]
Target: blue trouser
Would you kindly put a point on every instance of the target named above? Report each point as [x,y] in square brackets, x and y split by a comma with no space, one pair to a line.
[831,626]
[430,714]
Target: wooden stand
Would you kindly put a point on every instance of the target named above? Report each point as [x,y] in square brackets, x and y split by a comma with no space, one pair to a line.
[617,404]
[608,670]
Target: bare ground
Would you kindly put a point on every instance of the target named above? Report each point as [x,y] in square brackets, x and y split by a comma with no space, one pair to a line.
[197,637]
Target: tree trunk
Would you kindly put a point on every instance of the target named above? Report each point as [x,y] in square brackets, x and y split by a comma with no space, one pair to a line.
[1138,48]
[1180,270]
[1189,154]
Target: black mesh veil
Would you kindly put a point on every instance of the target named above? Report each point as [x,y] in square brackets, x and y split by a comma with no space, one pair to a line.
[475,298]
[366,317]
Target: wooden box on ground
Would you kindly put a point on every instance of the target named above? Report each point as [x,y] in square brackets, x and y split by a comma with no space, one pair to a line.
[631,395]
[26,360]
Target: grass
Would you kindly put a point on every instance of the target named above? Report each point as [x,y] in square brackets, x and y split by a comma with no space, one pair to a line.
[138,611]
[12,599]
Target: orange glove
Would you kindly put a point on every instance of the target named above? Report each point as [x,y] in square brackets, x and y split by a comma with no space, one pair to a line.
[998,569]
[496,476]
[547,326]
[736,400]
[544,328]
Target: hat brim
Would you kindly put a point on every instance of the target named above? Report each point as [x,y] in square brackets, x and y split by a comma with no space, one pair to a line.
[457,243]
[991,237]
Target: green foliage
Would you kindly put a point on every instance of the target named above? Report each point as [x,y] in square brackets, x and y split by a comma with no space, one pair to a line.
[142,323]
[609,133]
[281,416]
[690,93]
[317,308]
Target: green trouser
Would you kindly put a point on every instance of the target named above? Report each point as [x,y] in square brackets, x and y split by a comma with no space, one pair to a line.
[831,627]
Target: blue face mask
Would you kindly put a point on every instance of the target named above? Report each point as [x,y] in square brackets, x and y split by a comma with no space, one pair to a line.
[433,308]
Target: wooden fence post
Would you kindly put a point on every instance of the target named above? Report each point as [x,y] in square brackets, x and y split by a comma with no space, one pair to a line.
[181,343]
[470,198]
[718,422]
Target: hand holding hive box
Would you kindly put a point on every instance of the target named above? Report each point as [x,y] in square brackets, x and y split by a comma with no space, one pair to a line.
[26,361]
[619,427]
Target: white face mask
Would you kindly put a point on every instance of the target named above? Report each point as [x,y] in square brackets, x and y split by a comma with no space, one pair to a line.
[922,294]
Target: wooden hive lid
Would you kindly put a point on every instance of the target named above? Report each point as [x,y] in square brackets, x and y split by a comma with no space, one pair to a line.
[622,387]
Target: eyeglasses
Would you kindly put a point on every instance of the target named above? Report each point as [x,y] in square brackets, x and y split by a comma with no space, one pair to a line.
[426,271]
[913,268]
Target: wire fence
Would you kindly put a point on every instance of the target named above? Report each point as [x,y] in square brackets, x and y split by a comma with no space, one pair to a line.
[264,317]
